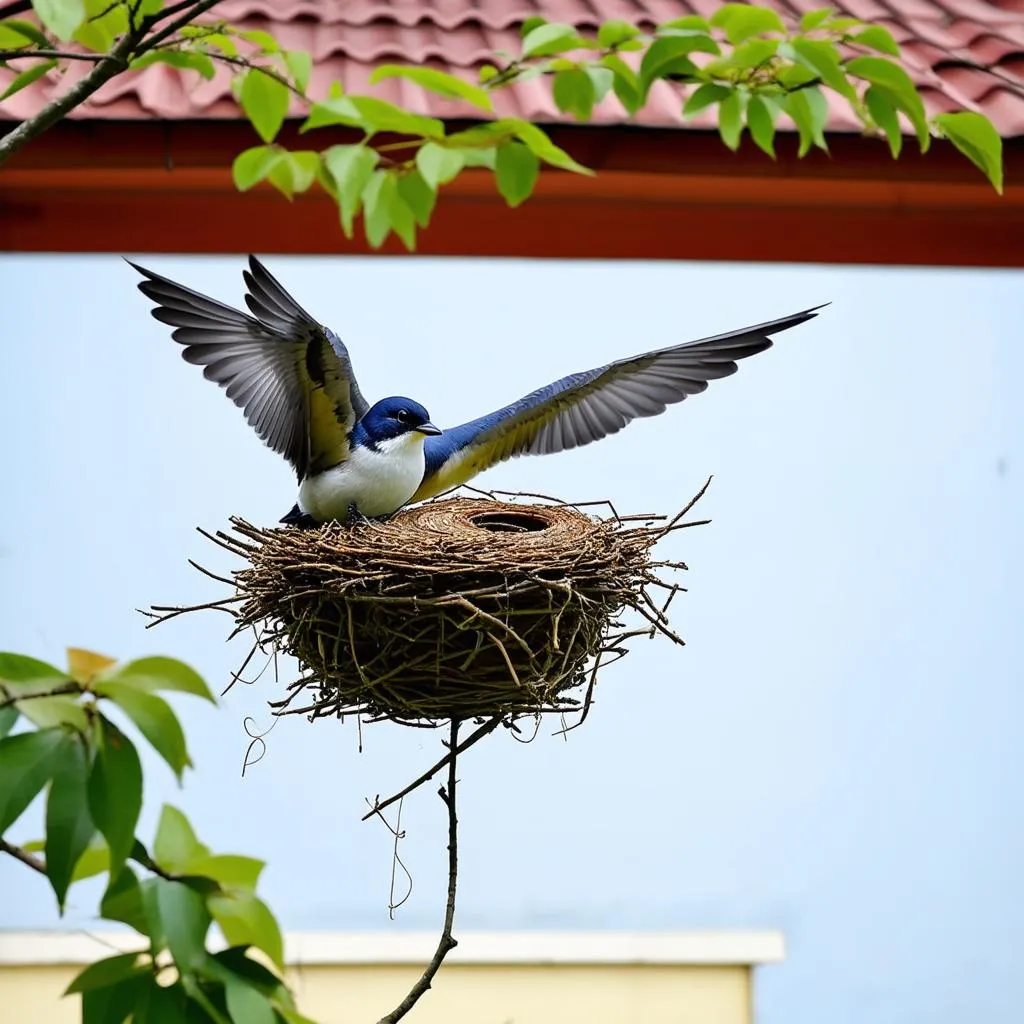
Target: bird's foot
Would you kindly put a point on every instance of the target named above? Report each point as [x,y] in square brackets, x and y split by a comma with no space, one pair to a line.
[355,517]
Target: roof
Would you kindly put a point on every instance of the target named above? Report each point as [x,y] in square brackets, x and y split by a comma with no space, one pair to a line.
[963,54]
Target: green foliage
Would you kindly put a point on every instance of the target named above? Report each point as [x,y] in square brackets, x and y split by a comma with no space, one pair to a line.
[91,775]
[388,165]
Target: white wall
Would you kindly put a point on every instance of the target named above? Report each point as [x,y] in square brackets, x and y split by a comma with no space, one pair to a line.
[836,751]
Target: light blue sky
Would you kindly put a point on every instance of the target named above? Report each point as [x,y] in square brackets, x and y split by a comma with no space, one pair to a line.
[836,752]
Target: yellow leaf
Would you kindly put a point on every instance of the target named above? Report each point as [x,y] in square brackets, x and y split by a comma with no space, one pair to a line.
[85,666]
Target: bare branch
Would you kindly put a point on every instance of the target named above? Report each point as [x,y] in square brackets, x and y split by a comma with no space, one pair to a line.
[23,855]
[446,943]
[484,730]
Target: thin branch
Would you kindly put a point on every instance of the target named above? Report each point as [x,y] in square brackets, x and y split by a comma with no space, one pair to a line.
[484,730]
[7,698]
[23,855]
[446,943]
[95,58]
[191,10]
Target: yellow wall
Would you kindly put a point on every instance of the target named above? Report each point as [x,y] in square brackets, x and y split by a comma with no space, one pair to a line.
[474,994]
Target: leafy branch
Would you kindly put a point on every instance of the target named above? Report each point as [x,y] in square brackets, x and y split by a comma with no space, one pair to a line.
[743,64]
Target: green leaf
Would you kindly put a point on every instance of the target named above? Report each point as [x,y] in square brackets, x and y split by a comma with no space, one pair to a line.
[253,165]
[176,845]
[530,24]
[104,973]
[704,96]
[264,40]
[13,29]
[49,712]
[265,102]
[154,674]
[541,146]
[877,38]
[823,58]
[437,164]
[624,82]
[8,716]
[978,140]
[730,120]
[61,17]
[550,38]
[812,19]
[669,56]
[154,719]
[246,920]
[163,1004]
[27,762]
[300,67]
[690,22]
[897,83]
[883,113]
[746,57]
[418,196]
[185,920]
[94,861]
[741,21]
[573,91]
[27,77]
[115,791]
[69,826]
[22,675]
[761,123]
[104,22]
[795,76]
[809,111]
[114,1003]
[228,870]
[613,33]
[351,167]
[188,60]
[516,167]
[439,82]
[376,213]
[371,115]
[123,901]
[296,172]
[234,960]
[246,1005]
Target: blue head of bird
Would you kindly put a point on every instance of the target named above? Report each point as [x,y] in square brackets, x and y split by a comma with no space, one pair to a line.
[393,418]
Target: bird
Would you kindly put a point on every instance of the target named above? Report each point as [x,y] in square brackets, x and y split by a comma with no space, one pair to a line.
[292,377]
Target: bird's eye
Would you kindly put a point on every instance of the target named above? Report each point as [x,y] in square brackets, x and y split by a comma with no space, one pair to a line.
[402,415]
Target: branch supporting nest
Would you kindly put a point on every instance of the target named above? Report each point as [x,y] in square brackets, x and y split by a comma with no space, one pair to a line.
[462,608]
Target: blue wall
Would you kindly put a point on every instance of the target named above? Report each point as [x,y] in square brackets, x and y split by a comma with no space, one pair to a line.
[836,752]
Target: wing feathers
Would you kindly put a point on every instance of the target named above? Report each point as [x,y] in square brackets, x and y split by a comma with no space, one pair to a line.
[263,363]
[585,407]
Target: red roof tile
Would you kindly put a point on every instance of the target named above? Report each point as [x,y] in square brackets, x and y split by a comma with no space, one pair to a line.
[961,53]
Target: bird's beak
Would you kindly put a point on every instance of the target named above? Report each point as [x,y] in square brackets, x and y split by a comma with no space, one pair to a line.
[429,429]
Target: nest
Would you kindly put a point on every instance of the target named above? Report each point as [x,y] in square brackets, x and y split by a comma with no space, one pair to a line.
[455,609]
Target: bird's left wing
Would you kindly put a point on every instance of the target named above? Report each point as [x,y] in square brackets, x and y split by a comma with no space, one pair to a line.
[587,406]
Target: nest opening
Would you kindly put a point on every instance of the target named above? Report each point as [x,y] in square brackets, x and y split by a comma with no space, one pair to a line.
[457,608]
[510,521]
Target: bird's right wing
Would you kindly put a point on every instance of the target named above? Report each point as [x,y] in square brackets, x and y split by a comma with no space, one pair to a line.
[291,376]
[587,406]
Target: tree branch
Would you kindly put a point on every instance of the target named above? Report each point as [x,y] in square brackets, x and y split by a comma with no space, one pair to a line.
[7,698]
[95,58]
[131,44]
[446,943]
[23,855]
[484,730]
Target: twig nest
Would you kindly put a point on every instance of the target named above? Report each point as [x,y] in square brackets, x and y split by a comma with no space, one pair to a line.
[458,608]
